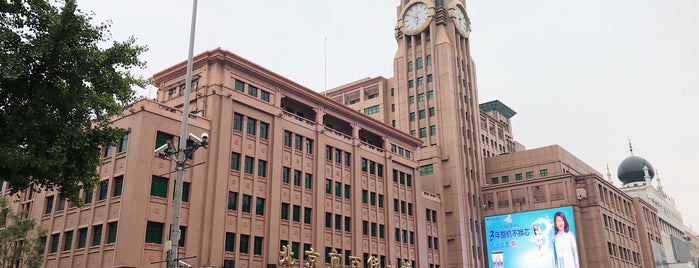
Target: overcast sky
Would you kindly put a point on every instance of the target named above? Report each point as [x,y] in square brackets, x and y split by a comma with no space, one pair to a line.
[587,75]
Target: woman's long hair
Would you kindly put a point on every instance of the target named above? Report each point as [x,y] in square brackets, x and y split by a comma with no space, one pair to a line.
[563,216]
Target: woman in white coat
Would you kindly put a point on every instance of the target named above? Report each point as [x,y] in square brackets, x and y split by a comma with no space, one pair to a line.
[565,250]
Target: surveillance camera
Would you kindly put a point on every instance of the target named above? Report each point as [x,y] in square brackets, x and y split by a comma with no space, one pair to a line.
[205,137]
[194,138]
[162,150]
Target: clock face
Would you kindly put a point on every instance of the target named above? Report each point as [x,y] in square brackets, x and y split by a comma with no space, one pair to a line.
[461,21]
[415,18]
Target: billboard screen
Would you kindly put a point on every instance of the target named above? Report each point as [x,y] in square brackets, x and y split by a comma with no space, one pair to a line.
[532,239]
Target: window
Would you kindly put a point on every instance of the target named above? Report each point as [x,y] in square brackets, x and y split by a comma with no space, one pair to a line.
[161,138]
[428,59]
[530,174]
[410,66]
[412,133]
[348,157]
[49,205]
[183,236]
[61,202]
[328,153]
[172,93]
[124,143]
[107,151]
[423,132]
[430,94]
[420,81]
[252,90]
[347,191]
[307,214]
[103,190]
[244,244]
[518,176]
[262,168]
[328,220]
[503,199]
[67,240]
[411,116]
[118,183]
[364,165]
[411,84]
[97,235]
[185,191]
[237,122]
[429,78]
[297,177]
[112,232]
[426,170]
[365,195]
[380,201]
[421,114]
[556,191]
[264,130]
[539,194]
[251,126]
[431,111]
[372,110]
[260,206]
[328,186]
[338,189]
[309,146]
[505,179]
[88,196]
[257,246]
[239,85]
[54,242]
[298,142]
[248,164]
[247,200]
[411,99]
[154,232]
[82,237]
[264,95]
[495,180]
[235,161]
[230,242]
[287,139]
[308,181]
[232,201]
[286,172]
[433,130]
[158,187]
[544,172]
[518,197]
[285,211]
[418,63]
[421,97]
[338,222]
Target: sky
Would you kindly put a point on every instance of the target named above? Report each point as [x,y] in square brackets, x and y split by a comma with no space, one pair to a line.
[586,75]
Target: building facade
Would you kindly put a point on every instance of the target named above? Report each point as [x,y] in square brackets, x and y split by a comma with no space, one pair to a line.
[611,226]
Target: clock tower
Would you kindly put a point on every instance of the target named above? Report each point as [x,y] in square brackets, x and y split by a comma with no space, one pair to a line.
[435,99]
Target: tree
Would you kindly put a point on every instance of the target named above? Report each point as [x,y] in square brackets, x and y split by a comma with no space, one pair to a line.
[60,83]
[21,244]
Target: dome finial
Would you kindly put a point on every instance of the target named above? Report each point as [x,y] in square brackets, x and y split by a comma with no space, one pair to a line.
[630,147]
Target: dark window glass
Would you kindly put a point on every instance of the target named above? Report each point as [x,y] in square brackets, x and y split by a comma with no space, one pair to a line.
[230,242]
[257,246]
[235,161]
[154,232]
[244,244]
[82,237]
[239,85]
[67,240]
[112,232]
[287,138]
[251,126]
[264,95]
[252,90]
[237,122]
[124,143]
[248,164]
[260,206]
[246,203]
[307,214]
[262,168]
[296,213]
[232,201]
[97,235]
[118,184]
[158,187]
[285,211]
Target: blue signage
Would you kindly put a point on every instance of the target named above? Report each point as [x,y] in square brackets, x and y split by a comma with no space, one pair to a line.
[541,238]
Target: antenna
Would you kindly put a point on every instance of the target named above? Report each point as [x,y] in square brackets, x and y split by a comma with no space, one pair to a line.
[325,66]
[630,147]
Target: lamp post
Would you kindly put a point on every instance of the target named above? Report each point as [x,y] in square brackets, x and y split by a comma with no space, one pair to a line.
[172,258]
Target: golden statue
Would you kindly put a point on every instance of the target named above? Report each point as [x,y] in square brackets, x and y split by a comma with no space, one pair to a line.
[286,256]
[405,264]
[311,257]
[355,261]
[334,258]
[372,262]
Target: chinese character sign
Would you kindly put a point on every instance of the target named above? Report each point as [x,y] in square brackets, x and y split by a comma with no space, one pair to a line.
[541,238]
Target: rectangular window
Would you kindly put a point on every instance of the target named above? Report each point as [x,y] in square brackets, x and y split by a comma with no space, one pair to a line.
[328,220]
[309,146]
[530,174]
[518,176]
[338,156]
[247,203]
[420,81]
[257,246]
[230,242]
[183,236]
[112,232]
[239,85]
[235,161]
[328,153]
[97,235]
[244,247]
[411,99]
[248,164]
[364,165]
[252,90]
[308,181]
[380,201]
[494,180]
[421,114]
[307,214]
[348,224]
[365,195]
[433,130]
[365,228]
[285,211]
[88,196]
[338,222]
[237,122]
[260,206]
[411,84]
[347,191]
[431,111]
[421,97]
[328,186]
[286,173]
[505,179]
[67,240]
[262,168]
[118,184]
[338,189]
[426,170]
[55,242]
[104,185]
[264,95]
[430,94]
[124,143]
[423,132]
[544,172]
[82,237]
[287,139]
[298,142]
[372,110]
[108,151]
[158,187]
[348,157]
[429,78]
[232,201]
[264,130]
[251,126]
[154,232]
[49,205]
[297,177]
[408,180]
[411,116]
[372,199]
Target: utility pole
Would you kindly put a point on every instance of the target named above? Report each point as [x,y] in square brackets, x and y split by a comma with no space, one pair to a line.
[172,258]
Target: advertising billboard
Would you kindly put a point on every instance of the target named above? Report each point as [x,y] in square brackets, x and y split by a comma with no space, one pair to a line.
[540,238]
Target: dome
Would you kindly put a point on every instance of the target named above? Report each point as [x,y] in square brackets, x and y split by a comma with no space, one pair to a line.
[631,170]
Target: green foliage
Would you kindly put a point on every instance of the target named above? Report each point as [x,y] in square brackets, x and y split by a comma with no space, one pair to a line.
[60,83]
[20,245]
